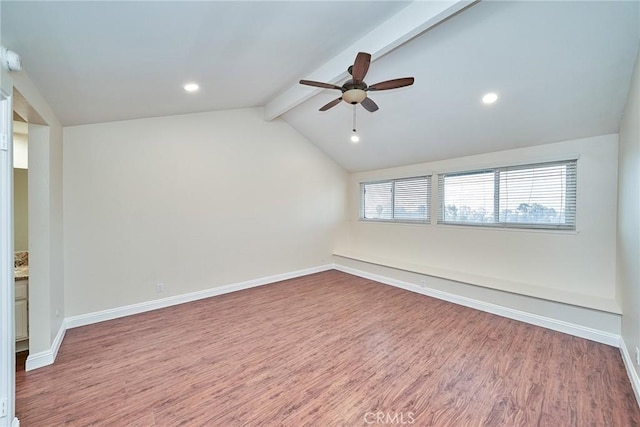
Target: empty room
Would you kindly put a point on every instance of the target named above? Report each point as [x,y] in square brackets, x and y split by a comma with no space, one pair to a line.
[319,213]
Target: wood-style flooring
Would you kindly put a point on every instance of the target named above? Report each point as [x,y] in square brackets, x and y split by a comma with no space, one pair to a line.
[328,349]
[21,360]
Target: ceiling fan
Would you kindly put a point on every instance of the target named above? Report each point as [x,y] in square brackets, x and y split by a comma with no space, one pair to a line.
[354,91]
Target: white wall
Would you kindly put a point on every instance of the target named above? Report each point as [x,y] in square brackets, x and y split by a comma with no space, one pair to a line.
[20,148]
[628,268]
[20,210]
[20,188]
[192,201]
[577,268]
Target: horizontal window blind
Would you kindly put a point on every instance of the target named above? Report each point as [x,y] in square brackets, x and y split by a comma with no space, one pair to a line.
[411,199]
[468,197]
[401,200]
[378,200]
[531,196]
[541,195]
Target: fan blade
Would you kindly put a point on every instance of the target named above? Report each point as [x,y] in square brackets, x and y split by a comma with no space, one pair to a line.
[392,84]
[319,84]
[369,105]
[331,104]
[360,66]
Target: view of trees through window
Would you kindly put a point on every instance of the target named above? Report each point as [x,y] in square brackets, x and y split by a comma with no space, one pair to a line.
[469,197]
[534,195]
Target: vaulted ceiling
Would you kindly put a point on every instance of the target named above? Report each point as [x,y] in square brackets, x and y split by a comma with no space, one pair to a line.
[561,69]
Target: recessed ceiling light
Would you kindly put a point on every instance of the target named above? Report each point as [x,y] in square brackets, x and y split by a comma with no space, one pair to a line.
[490,98]
[191,87]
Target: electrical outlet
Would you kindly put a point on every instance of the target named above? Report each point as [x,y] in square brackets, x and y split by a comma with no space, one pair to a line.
[637,356]
[57,313]
[159,287]
[3,407]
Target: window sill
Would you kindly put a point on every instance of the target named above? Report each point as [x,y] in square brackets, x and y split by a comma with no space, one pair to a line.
[393,221]
[516,229]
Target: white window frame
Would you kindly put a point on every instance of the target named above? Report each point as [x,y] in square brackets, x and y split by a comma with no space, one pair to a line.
[497,223]
[393,186]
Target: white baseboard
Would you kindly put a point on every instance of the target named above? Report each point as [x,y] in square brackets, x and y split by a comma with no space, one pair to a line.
[47,357]
[534,319]
[631,371]
[44,358]
[114,313]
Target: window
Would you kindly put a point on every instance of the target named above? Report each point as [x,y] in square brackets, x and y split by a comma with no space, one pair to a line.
[531,196]
[400,200]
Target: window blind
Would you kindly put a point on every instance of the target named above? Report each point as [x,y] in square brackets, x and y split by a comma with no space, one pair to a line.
[378,200]
[467,197]
[531,196]
[401,200]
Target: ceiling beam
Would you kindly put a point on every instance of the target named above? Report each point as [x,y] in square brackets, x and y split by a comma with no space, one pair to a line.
[24,110]
[411,21]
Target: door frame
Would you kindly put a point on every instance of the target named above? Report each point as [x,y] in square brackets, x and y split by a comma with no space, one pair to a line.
[7,284]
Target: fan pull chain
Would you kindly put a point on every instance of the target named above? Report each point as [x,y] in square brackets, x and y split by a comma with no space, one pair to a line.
[354,137]
[354,117]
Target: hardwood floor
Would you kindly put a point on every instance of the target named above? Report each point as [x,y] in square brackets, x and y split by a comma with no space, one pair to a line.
[328,349]
[21,360]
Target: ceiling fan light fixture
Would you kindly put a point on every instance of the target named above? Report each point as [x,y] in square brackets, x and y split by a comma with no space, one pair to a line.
[354,96]
[355,138]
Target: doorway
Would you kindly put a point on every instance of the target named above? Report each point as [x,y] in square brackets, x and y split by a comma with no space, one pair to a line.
[46,262]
